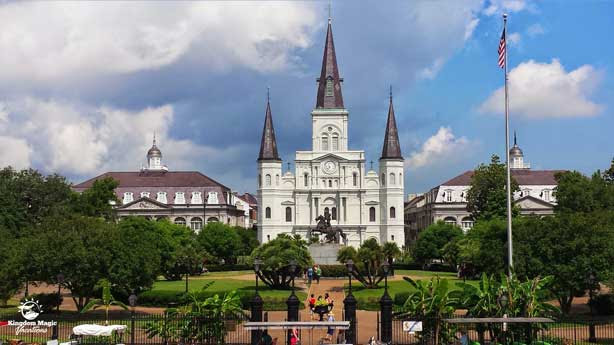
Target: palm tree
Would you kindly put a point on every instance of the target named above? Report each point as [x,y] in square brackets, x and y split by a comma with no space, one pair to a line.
[106,301]
[391,251]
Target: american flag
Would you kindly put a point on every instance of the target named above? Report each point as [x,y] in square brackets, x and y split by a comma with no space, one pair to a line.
[502,50]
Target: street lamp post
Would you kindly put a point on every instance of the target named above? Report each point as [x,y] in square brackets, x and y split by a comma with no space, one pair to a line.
[257,303]
[132,301]
[386,307]
[60,279]
[349,304]
[292,301]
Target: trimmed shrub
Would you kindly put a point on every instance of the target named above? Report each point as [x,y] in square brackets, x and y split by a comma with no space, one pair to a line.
[603,304]
[48,301]
[334,271]
[228,267]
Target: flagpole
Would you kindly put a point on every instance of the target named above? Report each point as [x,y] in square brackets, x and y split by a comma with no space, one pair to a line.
[507,162]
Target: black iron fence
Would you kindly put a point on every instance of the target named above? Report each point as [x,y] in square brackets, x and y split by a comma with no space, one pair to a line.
[560,332]
[141,329]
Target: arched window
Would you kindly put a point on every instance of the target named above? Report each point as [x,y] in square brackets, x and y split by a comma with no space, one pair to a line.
[450,220]
[326,210]
[212,220]
[392,181]
[393,212]
[383,179]
[267,212]
[335,142]
[371,214]
[333,212]
[180,221]
[466,223]
[288,214]
[267,180]
[355,179]
[306,177]
[324,142]
[259,180]
[277,180]
[196,224]
[330,183]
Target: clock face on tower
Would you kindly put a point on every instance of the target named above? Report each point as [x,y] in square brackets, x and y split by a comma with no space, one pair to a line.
[329,167]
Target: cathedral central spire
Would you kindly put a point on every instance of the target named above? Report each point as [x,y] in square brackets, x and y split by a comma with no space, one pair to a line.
[268,144]
[392,146]
[329,83]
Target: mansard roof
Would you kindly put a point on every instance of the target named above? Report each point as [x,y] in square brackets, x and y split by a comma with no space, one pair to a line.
[268,144]
[392,147]
[330,71]
[523,177]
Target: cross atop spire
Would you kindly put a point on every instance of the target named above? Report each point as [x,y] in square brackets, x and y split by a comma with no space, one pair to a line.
[268,144]
[329,83]
[392,146]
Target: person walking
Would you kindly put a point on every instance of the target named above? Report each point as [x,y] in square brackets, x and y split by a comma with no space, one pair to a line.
[312,305]
[309,275]
[330,331]
[294,339]
[329,302]
[318,273]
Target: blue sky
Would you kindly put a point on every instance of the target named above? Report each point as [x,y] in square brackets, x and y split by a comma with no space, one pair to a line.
[83,86]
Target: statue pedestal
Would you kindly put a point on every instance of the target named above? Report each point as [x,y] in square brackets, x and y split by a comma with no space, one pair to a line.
[325,254]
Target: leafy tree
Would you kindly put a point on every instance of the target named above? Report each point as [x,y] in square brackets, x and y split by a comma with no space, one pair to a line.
[433,239]
[570,247]
[28,197]
[96,201]
[487,198]
[221,241]
[574,192]
[485,246]
[106,301]
[248,240]
[277,255]
[391,251]
[10,278]
[346,253]
[78,247]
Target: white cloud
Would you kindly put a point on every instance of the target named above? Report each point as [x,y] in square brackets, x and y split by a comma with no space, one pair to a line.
[80,140]
[51,41]
[535,30]
[513,38]
[547,90]
[14,152]
[442,146]
[471,27]
[431,71]
[498,7]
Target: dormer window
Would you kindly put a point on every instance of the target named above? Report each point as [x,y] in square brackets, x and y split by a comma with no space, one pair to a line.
[162,197]
[179,198]
[144,194]
[329,87]
[212,198]
[128,197]
[197,198]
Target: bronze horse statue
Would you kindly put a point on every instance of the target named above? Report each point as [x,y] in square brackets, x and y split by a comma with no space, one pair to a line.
[331,234]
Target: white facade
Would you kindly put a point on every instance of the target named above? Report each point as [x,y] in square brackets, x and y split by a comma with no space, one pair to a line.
[364,203]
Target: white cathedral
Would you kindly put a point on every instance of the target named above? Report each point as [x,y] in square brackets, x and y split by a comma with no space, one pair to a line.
[331,177]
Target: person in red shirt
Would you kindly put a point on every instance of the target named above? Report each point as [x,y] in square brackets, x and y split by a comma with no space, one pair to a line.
[294,340]
[312,304]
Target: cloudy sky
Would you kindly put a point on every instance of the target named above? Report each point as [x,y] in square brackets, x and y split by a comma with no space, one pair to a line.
[83,85]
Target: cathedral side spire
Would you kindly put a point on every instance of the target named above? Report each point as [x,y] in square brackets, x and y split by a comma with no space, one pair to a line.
[329,83]
[392,147]
[268,144]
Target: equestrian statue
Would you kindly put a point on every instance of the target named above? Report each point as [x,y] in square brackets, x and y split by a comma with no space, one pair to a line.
[331,234]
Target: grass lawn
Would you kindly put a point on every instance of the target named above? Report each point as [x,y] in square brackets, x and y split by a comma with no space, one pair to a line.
[224,285]
[396,286]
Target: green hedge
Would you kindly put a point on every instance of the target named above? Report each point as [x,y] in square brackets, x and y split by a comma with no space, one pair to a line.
[162,298]
[334,271]
[603,304]
[228,267]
